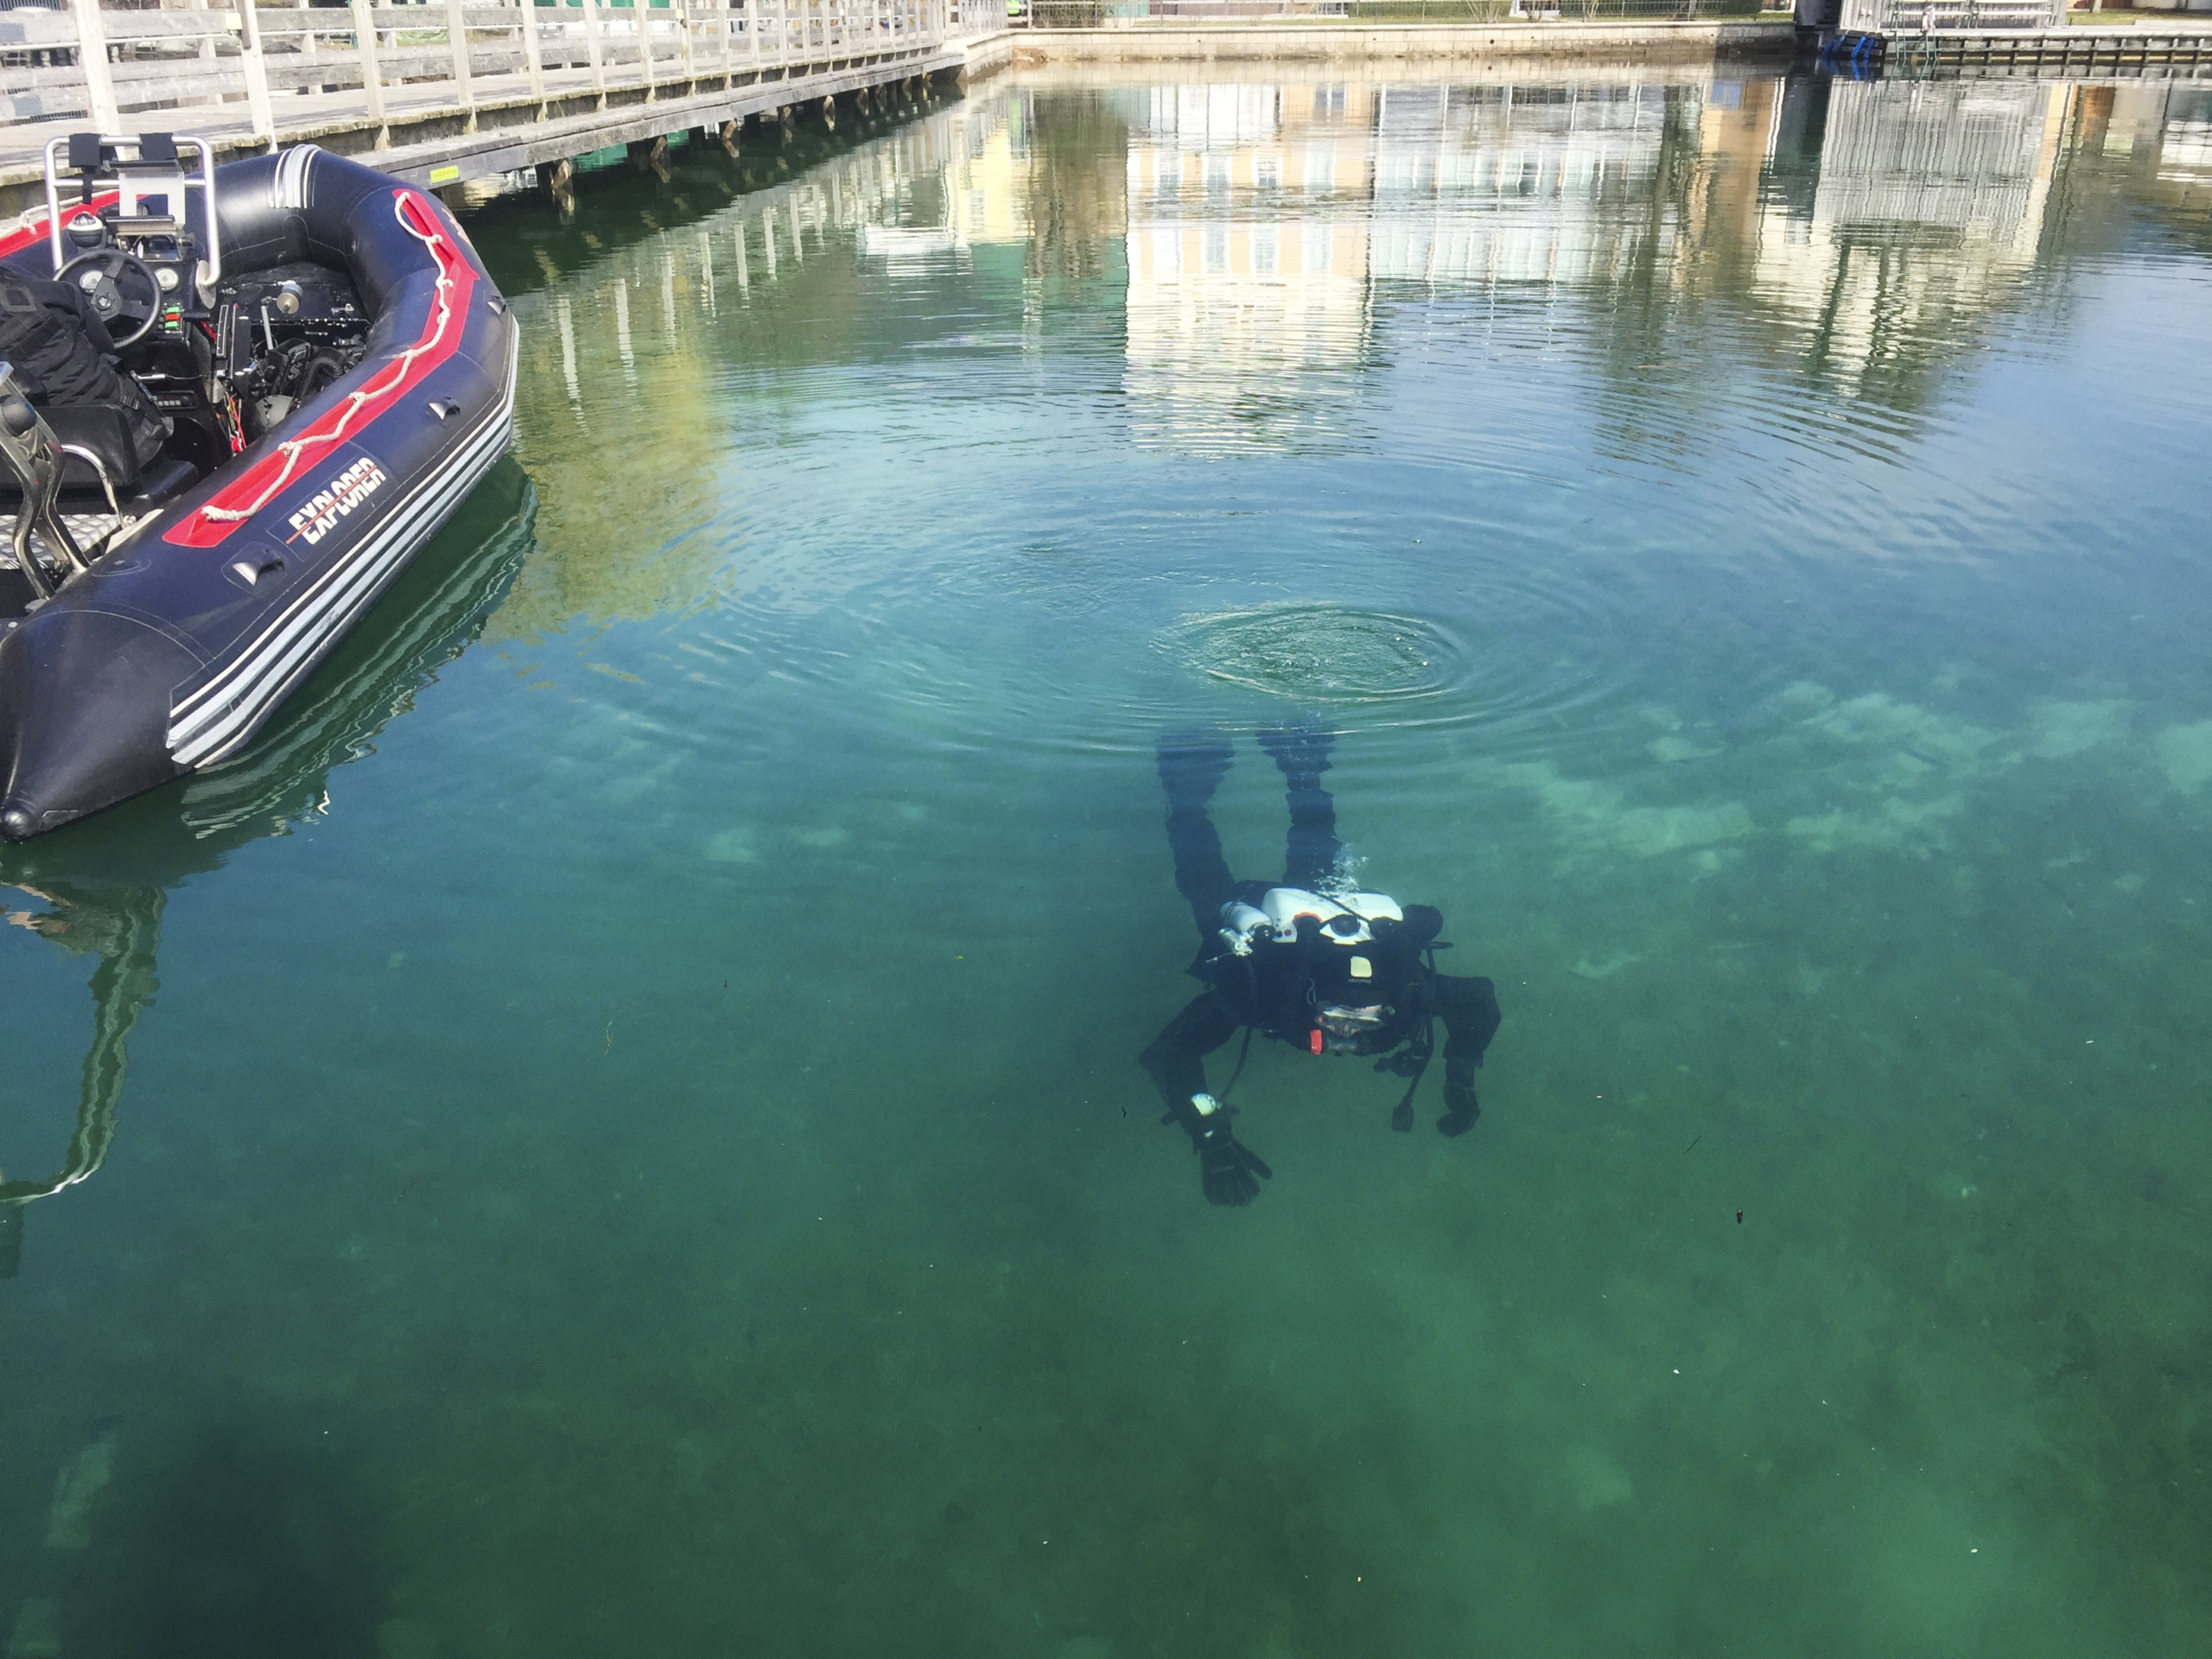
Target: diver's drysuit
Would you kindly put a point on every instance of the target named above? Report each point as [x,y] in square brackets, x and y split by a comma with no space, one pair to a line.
[1330,973]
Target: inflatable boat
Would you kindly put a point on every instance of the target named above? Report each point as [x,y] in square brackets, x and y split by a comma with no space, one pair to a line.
[100,890]
[234,402]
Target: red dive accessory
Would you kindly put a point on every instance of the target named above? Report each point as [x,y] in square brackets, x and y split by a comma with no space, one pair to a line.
[1314,1039]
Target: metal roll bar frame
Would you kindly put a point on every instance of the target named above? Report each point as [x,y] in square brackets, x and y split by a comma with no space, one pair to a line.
[210,270]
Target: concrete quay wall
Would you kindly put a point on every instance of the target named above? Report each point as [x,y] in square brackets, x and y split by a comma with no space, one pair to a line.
[1274,40]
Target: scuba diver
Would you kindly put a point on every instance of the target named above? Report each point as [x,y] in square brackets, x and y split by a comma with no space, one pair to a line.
[1328,970]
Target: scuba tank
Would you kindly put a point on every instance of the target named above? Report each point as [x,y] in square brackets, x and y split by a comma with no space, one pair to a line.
[1346,919]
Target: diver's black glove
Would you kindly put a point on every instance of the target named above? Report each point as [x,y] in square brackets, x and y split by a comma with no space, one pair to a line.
[1460,1109]
[1227,1169]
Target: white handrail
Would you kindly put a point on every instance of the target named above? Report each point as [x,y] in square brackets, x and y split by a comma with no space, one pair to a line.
[466,52]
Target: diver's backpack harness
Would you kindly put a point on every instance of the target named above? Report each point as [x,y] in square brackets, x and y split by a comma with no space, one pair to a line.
[1310,929]
[1411,1063]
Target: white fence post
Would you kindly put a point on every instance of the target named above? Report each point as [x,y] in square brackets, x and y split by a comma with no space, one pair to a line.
[457,41]
[365,43]
[533,57]
[257,75]
[91,55]
[598,62]
[641,21]
[307,34]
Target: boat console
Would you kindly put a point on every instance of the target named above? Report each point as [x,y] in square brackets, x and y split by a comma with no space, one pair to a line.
[133,236]
[131,255]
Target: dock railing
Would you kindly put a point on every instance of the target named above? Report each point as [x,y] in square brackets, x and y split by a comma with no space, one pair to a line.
[1111,14]
[105,62]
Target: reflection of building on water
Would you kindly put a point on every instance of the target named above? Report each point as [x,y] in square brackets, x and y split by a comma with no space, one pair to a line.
[1857,233]
[2174,125]
[1267,222]
[985,176]
[1247,252]
[980,170]
[1947,162]
[1901,211]
[1480,185]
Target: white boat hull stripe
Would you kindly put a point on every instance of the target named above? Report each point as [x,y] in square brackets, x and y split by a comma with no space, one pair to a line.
[274,676]
[334,573]
[234,701]
[277,675]
[238,677]
[256,684]
[194,708]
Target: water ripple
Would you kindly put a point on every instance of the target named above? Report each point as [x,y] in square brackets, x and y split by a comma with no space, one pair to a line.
[1322,654]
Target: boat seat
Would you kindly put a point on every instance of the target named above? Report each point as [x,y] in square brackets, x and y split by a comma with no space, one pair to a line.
[105,431]
[164,476]
[57,345]
[84,510]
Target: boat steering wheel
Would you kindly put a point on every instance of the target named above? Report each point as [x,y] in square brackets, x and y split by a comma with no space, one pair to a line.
[100,273]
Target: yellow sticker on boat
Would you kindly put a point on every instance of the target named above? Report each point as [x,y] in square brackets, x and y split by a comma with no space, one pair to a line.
[444,175]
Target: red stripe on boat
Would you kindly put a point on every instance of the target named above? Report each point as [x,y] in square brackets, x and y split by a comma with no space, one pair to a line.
[196,528]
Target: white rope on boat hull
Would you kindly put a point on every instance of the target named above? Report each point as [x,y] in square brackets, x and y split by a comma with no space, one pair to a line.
[291,448]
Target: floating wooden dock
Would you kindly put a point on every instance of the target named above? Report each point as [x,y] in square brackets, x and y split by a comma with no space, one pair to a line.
[442,95]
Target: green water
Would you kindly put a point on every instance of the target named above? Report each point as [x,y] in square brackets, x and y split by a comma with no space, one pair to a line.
[639,1149]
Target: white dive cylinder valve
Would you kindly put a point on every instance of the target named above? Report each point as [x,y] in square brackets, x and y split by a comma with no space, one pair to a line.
[1239,922]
